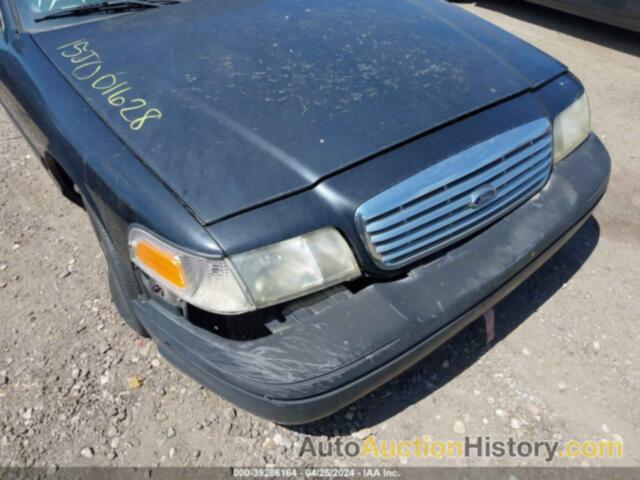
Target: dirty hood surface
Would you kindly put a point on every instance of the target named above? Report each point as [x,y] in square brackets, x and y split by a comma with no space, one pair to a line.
[235,103]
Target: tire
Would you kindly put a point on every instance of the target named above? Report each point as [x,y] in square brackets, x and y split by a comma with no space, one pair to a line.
[122,282]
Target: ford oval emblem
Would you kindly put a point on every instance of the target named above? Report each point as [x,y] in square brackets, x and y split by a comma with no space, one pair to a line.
[482,196]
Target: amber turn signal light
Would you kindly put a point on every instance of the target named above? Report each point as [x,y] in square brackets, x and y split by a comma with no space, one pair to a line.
[164,264]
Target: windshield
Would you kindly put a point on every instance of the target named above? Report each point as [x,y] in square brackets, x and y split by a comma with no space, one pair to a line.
[38,8]
[30,10]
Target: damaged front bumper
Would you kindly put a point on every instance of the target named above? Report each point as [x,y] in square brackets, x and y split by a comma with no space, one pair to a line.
[349,344]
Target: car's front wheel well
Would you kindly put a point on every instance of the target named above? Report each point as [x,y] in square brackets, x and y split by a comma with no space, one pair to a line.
[62,179]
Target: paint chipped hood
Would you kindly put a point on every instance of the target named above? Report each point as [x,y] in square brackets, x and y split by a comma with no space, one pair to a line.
[261,99]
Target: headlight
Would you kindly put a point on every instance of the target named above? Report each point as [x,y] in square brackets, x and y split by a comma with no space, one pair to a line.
[296,267]
[570,128]
[249,280]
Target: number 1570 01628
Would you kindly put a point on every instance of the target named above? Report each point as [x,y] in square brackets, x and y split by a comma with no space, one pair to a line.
[88,67]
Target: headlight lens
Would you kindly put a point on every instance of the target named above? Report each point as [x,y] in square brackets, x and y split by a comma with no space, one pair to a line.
[249,280]
[296,267]
[570,128]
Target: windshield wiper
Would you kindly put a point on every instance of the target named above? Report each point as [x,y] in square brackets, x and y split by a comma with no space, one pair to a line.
[107,7]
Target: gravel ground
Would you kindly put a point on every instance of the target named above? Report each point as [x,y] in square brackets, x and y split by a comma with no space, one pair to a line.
[78,388]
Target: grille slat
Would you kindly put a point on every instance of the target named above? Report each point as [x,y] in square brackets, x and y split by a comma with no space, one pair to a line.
[434,208]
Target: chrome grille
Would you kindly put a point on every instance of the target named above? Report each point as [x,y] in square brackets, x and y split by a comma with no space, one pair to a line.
[457,196]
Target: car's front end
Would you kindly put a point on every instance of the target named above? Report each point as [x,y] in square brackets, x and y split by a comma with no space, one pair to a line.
[305,358]
[309,208]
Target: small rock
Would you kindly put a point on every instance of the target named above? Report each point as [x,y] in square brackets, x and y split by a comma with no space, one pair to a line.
[362,434]
[526,352]
[171,432]
[111,455]
[562,386]
[596,346]
[348,416]
[172,452]
[27,414]
[155,363]
[500,412]
[605,428]
[458,427]
[134,382]
[4,379]
[87,452]
[75,373]
[197,454]
[532,408]
[515,423]
[115,442]
[445,364]
[51,470]
[282,441]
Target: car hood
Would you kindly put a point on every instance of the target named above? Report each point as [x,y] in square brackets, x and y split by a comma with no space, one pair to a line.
[233,103]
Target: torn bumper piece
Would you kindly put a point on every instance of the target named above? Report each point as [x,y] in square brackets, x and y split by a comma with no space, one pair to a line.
[344,351]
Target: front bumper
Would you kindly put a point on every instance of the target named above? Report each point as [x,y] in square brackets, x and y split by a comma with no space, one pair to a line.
[340,350]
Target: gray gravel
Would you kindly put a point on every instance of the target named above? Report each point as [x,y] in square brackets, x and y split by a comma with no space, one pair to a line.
[564,365]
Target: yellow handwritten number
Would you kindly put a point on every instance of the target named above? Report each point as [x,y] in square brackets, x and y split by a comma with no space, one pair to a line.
[151,114]
[87,64]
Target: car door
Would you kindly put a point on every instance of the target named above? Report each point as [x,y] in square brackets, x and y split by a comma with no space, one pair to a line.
[586,4]
[16,87]
[619,8]
[577,7]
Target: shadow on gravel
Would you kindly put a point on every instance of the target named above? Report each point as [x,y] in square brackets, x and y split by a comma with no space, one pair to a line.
[608,36]
[464,349]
